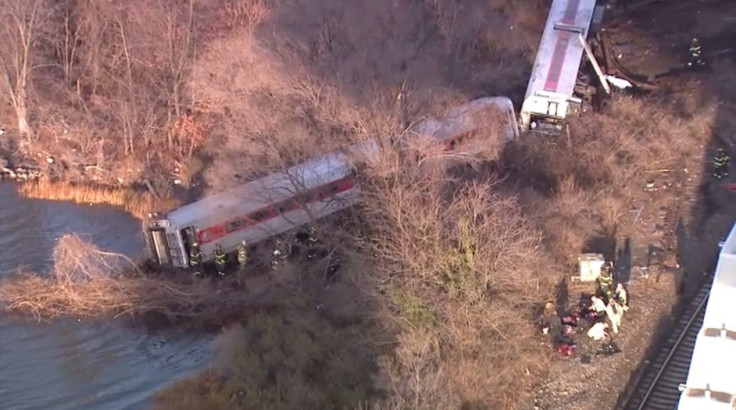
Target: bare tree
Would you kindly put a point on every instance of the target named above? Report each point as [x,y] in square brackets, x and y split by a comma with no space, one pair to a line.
[179,33]
[20,21]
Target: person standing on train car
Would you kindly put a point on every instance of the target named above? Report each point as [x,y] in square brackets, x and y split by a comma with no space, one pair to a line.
[220,260]
[195,259]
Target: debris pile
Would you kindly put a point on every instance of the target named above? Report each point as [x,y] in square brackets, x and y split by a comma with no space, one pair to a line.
[597,317]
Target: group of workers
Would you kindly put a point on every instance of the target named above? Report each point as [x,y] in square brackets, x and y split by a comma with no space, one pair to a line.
[721,159]
[596,316]
[280,253]
[196,256]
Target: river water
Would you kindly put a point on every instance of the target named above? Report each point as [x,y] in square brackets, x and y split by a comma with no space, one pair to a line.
[78,365]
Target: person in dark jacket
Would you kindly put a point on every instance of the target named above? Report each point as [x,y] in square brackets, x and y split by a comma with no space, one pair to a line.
[696,55]
[220,260]
[720,163]
[195,259]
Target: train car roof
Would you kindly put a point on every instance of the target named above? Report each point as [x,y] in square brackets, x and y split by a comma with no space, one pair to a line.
[559,55]
[713,364]
[469,116]
[263,191]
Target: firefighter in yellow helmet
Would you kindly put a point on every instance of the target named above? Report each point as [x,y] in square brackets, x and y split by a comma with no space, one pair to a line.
[605,281]
[720,163]
[696,55]
[195,259]
[220,260]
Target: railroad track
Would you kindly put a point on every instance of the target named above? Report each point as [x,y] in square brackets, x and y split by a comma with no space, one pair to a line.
[657,386]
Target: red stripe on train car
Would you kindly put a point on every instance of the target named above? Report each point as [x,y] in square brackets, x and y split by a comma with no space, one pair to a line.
[270,212]
[563,41]
[451,143]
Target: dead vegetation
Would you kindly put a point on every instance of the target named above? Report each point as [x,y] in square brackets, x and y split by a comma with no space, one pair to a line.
[463,258]
[316,367]
[86,282]
[139,203]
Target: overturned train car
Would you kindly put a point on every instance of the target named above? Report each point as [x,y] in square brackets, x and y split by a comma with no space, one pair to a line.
[306,192]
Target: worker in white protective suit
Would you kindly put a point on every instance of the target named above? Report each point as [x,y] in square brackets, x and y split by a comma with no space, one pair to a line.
[597,304]
[614,313]
[622,297]
[598,331]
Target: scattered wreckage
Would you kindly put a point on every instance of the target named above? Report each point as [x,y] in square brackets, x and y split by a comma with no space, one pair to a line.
[597,316]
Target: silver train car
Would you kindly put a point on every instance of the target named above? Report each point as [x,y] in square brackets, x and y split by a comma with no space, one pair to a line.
[553,90]
[304,193]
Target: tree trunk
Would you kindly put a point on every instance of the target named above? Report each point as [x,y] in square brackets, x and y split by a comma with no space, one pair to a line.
[21,111]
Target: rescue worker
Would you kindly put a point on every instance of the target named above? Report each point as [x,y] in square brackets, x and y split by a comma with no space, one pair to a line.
[720,163]
[614,314]
[696,54]
[220,260]
[242,256]
[280,253]
[312,242]
[605,281]
[622,297]
[313,237]
[598,331]
[195,259]
[597,305]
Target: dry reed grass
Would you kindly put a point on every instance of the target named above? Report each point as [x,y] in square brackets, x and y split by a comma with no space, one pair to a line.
[86,282]
[139,203]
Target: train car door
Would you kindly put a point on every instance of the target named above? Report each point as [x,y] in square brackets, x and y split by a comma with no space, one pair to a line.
[188,236]
[160,246]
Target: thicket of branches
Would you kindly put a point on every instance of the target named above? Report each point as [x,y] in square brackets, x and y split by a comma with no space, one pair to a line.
[87,282]
[94,82]
[462,256]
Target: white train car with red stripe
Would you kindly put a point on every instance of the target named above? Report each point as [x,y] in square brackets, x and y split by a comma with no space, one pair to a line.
[286,200]
[552,94]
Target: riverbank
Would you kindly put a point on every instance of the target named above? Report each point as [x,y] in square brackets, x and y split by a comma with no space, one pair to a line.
[136,201]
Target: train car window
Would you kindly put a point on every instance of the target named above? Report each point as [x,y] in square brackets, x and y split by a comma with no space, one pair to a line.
[234,225]
[335,188]
[258,216]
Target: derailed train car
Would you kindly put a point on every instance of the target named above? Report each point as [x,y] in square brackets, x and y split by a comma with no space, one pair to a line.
[322,186]
[557,87]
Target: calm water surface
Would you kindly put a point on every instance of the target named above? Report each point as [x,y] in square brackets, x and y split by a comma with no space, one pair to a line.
[77,365]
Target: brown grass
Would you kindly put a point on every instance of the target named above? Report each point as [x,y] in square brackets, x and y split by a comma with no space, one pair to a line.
[592,182]
[87,282]
[139,203]
[314,365]
[459,266]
